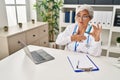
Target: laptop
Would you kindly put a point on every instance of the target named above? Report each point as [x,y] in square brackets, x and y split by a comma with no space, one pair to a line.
[37,56]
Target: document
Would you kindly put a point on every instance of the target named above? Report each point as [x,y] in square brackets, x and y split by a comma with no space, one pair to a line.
[95,18]
[104,18]
[82,63]
[109,18]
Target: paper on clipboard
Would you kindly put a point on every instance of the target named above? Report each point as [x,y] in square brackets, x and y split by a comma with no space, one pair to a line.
[81,63]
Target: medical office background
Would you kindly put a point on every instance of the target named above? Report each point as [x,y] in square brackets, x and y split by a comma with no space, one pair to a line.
[107,12]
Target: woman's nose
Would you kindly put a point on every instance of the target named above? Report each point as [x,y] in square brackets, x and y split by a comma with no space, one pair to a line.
[80,18]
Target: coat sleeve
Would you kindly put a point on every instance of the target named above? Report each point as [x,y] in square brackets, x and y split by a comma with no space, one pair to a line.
[95,48]
[64,37]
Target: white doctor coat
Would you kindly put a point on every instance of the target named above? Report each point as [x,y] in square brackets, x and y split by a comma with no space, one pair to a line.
[64,38]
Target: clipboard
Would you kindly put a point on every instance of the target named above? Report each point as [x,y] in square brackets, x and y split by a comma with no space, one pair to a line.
[82,63]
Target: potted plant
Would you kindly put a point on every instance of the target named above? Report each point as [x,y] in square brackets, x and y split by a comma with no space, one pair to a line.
[33,21]
[20,25]
[5,28]
[49,11]
[118,41]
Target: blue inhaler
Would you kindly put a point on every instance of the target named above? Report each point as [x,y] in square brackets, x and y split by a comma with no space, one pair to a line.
[88,29]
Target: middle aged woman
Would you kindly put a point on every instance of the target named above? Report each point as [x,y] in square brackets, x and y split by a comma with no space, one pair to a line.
[82,37]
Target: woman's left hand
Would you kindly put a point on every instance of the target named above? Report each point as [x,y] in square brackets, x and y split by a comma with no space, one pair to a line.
[96,32]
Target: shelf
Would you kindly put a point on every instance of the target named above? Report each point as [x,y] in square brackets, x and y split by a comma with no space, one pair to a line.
[114,49]
[107,28]
[105,47]
[70,6]
[115,29]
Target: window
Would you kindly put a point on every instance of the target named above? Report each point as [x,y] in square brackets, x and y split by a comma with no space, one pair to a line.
[16,11]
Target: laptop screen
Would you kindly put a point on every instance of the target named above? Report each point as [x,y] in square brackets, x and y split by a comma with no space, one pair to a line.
[37,56]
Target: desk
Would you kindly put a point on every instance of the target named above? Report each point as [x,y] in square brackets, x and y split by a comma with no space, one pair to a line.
[19,67]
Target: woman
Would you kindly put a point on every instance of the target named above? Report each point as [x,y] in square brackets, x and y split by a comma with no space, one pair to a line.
[79,37]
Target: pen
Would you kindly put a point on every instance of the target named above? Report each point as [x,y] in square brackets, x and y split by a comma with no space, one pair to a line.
[87,69]
[77,64]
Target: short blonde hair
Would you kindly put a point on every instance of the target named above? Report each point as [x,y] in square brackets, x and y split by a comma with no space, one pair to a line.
[86,7]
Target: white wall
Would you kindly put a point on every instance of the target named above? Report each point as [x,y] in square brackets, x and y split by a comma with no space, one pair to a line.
[3,16]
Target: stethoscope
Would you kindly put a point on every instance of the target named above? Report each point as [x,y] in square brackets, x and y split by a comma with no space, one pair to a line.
[87,31]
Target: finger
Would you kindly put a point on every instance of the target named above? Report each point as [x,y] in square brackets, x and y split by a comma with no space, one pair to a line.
[98,26]
[83,37]
[92,34]
[77,33]
[94,27]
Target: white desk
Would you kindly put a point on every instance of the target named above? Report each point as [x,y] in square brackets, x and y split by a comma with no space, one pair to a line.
[19,67]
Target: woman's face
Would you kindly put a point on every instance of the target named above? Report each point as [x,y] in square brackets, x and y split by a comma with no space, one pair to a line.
[83,18]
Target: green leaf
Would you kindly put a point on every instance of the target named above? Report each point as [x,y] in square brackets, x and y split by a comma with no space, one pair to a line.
[49,11]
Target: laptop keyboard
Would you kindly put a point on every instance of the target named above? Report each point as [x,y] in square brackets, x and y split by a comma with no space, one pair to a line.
[37,57]
[40,56]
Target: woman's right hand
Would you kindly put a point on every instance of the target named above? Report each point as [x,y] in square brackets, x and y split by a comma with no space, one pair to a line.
[78,37]
[96,32]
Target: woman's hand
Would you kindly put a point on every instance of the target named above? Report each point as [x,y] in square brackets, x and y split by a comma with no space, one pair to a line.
[96,32]
[78,37]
